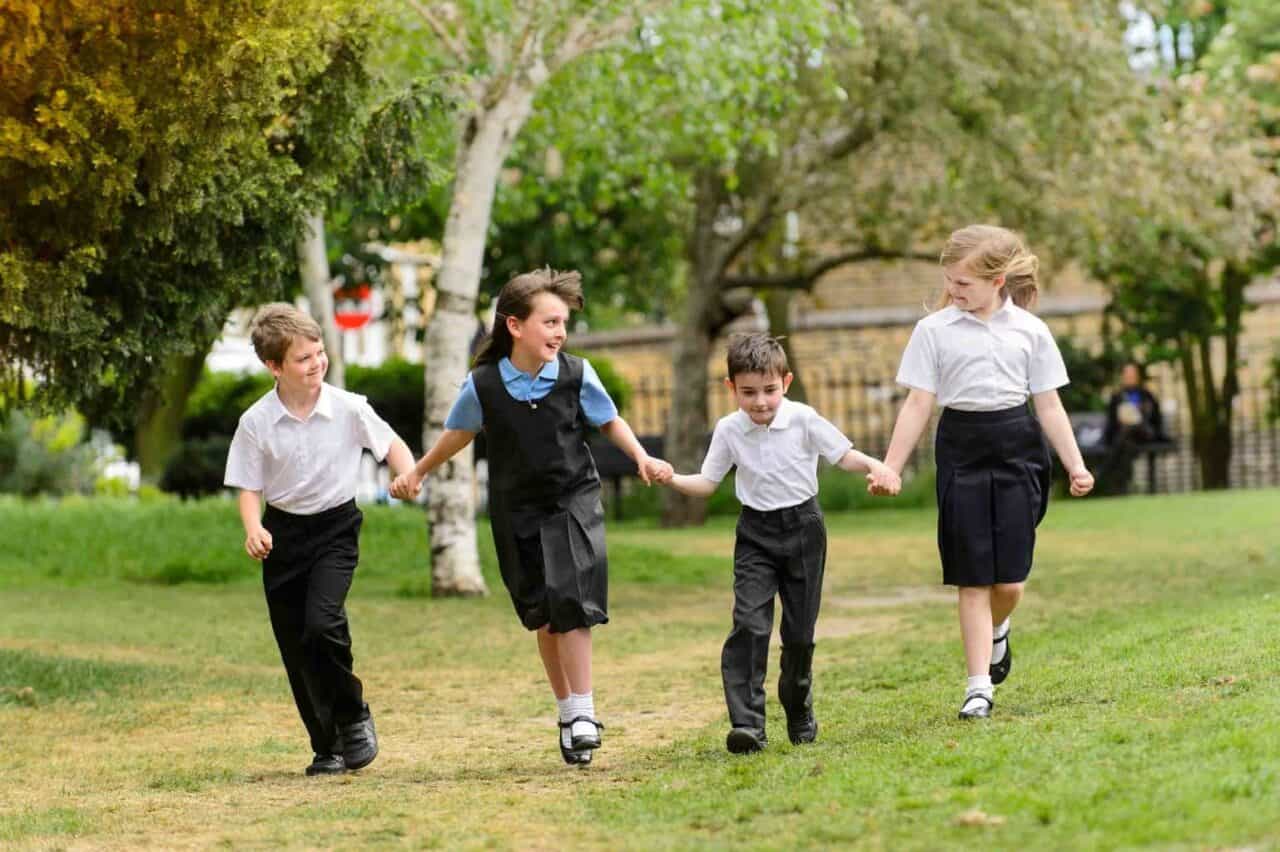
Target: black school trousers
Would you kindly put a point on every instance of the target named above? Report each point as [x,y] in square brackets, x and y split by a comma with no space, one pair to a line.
[306,577]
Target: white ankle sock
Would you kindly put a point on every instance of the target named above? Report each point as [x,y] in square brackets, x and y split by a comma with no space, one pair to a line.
[978,685]
[564,708]
[582,705]
[999,646]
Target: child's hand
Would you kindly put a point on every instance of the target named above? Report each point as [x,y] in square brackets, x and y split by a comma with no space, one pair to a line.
[406,486]
[660,471]
[258,543]
[653,470]
[882,481]
[1081,482]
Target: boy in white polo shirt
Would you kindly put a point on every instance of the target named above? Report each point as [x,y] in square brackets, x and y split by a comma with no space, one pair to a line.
[300,447]
[781,545]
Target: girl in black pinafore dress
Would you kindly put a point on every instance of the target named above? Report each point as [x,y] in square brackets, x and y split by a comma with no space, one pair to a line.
[535,403]
[983,355]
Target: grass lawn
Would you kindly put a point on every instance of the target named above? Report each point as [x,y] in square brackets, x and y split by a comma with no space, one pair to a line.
[142,702]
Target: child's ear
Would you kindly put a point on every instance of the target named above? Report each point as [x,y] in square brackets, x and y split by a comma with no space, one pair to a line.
[728,382]
[786,382]
[274,367]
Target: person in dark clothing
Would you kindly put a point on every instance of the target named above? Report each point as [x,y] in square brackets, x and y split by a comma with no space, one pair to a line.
[1133,413]
[534,403]
[1134,420]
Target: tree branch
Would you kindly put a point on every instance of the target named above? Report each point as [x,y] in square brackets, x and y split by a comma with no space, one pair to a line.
[805,279]
[455,47]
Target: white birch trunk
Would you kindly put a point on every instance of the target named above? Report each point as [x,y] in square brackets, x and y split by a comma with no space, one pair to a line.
[313,267]
[484,143]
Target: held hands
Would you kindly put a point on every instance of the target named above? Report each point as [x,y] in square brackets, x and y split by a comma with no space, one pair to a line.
[882,481]
[406,486]
[654,470]
[258,543]
[1081,482]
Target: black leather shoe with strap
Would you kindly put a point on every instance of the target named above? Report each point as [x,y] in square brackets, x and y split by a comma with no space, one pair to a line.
[586,741]
[1000,671]
[982,705]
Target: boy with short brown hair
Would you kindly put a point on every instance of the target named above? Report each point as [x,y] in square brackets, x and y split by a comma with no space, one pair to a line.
[299,446]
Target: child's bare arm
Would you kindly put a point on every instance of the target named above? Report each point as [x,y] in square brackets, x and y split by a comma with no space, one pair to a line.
[1057,426]
[693,485]
[880,477]
[912,419]
[449,444]
[399,457]
[257,539]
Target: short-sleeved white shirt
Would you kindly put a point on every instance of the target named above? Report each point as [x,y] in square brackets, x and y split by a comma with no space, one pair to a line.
[778,463]
[306,466]
[972,365]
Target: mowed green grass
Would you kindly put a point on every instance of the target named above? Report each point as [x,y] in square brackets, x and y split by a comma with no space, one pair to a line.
[143,704]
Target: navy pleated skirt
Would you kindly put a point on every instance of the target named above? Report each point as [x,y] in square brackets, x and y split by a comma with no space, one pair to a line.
[993,489]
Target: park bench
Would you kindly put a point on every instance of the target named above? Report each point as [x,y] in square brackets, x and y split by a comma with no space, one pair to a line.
[1103,460]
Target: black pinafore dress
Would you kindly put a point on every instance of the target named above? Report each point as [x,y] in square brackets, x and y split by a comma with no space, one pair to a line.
[544,501]
[993,490]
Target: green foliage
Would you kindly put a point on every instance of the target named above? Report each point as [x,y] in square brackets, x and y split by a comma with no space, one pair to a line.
[158,165]
[215,406]
[197,468]
[44,455]
[394,389]
[617,386]
[1092,374]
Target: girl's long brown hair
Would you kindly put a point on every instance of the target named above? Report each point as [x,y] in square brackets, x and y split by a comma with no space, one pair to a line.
[516,300]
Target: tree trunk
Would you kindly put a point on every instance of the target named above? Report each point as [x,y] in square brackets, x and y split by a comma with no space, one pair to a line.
[778,304]
[484,143]
[704,316]
[313,267]
[159,427]
[1211,427]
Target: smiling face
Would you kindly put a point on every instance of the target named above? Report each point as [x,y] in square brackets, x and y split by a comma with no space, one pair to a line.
[303,367]
[972,293]
[759,394]
[540,336]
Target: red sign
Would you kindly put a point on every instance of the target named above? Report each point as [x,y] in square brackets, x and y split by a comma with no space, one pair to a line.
[353,306]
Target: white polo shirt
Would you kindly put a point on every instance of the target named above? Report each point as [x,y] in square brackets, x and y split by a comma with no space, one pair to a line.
[778,463]
[306,466]
[972,365]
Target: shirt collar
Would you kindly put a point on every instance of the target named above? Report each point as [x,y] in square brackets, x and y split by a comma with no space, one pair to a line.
[1004,313]
[781,418]
[324,405]
[510,372]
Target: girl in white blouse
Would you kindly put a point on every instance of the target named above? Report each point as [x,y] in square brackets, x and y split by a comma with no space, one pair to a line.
[981,356]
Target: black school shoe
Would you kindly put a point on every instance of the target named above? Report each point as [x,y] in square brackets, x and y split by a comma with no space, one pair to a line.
[745,741]
[586,741]
[572,756]
[803,730]
[1000,671]
[327,764]
[359,742]
[978,711]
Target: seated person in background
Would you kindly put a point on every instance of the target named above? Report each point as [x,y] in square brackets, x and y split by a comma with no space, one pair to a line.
[1133,414]
[1133,420]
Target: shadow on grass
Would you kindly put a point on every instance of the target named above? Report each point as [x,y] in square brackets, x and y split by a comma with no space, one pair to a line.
[28,679]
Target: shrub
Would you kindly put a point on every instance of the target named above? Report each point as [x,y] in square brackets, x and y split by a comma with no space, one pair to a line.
[44,455]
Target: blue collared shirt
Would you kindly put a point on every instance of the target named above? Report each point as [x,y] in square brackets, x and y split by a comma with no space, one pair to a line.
[466,413]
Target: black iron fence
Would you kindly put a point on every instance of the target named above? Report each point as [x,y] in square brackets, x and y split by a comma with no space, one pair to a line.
[864,404]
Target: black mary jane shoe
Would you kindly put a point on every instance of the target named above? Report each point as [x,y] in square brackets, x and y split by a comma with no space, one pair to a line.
[572,756]
[1000,671]
[745,741]
[981,711]
[585,741]
[327,764]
